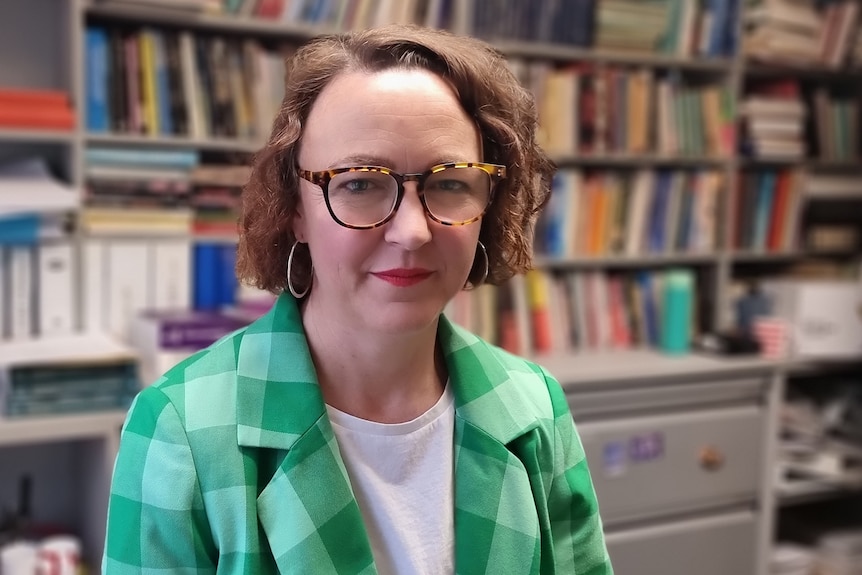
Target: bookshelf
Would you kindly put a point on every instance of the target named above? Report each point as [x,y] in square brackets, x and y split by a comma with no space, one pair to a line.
[61,63]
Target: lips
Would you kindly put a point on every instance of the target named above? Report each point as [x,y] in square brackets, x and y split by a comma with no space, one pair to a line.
[403,277]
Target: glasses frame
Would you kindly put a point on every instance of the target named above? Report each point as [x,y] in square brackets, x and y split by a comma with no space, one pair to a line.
[323,177]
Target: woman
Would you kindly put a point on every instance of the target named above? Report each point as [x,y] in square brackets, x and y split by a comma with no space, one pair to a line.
[354,429]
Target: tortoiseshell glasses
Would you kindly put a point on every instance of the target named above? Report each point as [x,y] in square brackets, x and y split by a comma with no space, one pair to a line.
[366,197]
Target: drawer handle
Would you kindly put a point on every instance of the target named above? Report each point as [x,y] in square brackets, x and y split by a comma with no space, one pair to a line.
[711,458]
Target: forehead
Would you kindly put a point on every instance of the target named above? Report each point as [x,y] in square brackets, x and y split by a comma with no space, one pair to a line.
[404,116]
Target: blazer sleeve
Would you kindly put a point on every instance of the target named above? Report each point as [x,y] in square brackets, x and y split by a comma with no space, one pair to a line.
[156,517]
[576,527]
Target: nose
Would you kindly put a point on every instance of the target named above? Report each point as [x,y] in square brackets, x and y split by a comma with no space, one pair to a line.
[409,227]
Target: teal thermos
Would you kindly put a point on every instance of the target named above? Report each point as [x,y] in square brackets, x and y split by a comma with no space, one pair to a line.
[677,303]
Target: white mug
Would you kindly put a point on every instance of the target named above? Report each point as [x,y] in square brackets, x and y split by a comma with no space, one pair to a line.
[18,558]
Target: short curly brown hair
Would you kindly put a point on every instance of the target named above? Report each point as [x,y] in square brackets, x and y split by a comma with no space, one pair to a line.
[504,111]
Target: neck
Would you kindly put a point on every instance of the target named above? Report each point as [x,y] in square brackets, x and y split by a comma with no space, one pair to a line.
[379,377]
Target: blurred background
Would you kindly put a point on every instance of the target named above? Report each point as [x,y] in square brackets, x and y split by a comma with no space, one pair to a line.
[697,288]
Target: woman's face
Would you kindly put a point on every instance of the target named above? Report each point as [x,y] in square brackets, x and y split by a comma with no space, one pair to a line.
[398,277]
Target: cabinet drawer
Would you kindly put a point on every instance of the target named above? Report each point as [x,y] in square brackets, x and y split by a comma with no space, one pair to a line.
[720,545]
[649,466]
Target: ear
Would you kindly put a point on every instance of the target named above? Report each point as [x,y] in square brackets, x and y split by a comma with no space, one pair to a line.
[298,223]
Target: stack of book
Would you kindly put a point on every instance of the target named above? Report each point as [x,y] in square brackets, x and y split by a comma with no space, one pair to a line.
[138,192]
[774,116]
[36,109]
[794,32]
[216,198]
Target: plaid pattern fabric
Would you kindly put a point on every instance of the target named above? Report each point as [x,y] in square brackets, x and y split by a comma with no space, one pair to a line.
[229,464]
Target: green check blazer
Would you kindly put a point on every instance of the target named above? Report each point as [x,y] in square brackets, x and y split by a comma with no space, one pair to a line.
[228,464]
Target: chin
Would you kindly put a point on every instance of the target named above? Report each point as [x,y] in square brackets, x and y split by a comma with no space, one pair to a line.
[405,318]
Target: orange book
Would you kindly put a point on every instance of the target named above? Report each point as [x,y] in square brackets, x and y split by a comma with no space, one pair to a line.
[598,218]
[46,117]
[537,295]
[29,97]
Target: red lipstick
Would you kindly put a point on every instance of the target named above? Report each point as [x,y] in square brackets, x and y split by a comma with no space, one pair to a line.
[403,277]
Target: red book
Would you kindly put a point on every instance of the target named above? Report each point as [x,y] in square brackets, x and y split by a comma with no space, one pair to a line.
[779,212]
[26,97]
[48,117]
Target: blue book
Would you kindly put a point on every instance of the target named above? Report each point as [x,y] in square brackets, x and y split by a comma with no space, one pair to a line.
[650,307]
[181,159]
[656,225]
[720,13]
[97,65]
[207,289]
[20,230]
[226,280]
[763,209]
[163,85]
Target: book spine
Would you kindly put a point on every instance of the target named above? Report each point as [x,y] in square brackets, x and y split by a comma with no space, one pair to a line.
[97,54]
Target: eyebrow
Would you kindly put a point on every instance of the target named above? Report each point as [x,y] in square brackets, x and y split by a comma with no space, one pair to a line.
[368,160]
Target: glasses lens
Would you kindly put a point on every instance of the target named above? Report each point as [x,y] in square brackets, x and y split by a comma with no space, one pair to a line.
[362,198]
[457,195]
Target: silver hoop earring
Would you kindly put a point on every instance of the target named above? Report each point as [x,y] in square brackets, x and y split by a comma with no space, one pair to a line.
[485,272]
[290,287]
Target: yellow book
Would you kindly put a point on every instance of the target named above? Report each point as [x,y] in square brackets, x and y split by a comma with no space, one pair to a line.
[148,83]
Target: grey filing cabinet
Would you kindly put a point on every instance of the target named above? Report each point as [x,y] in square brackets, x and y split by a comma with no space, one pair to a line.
[677,451]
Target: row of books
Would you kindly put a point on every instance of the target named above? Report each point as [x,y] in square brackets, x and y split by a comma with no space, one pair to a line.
[837,121]
[590,108]
[543,313]
[807,32]
[767,208]
[167,83]
[630,213]
[680,27]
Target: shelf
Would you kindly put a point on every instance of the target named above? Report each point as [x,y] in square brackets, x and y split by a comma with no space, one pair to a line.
[624,261]
[576,370]
[59,428]
[231,24]
[644,160]
[568,53]
[766,257]
[209,144]
[36,136]
[773,70]
[811,164]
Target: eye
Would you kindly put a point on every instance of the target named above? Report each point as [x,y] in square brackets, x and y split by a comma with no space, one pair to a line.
[449,185]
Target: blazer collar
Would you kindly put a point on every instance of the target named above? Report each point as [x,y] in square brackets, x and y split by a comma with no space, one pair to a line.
[279,398]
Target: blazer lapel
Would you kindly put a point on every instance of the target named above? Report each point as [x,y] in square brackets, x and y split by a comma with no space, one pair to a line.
[309,513]
[307,508]
[496,522]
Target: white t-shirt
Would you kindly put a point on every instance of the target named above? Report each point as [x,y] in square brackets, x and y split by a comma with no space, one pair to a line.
[402,477]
